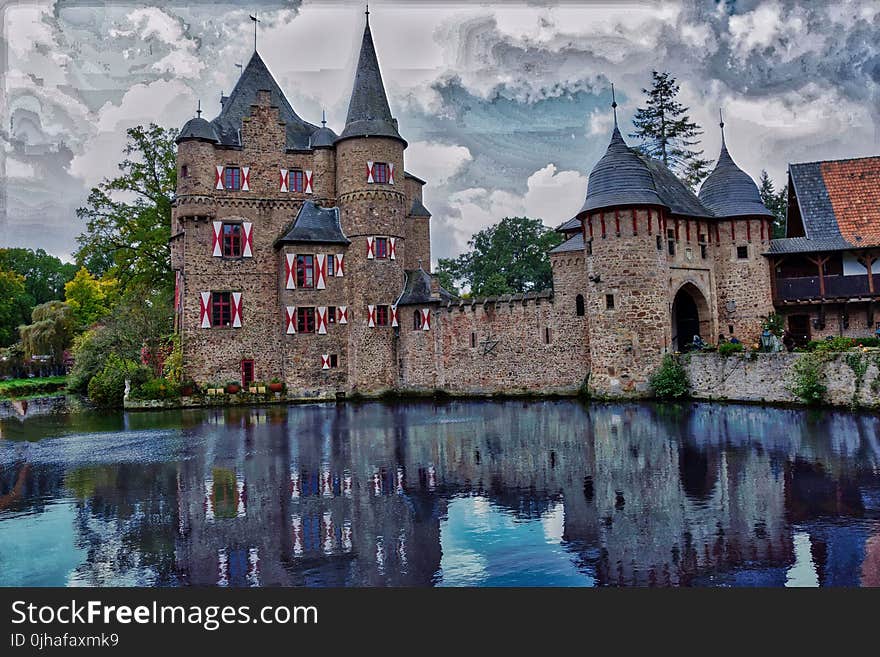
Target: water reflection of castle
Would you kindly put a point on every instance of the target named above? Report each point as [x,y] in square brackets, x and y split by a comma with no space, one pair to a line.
[355,495]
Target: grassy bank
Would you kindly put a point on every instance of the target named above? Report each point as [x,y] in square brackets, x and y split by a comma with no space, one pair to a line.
[36,387]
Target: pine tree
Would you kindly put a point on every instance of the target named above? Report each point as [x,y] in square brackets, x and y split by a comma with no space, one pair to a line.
[776,202]
[667,132]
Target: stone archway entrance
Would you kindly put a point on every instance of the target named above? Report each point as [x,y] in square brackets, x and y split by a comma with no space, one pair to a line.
[690,317]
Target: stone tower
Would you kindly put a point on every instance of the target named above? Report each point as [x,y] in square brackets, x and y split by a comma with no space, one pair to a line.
[371,197]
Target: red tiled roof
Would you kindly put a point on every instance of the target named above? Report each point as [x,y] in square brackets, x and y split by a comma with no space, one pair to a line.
[854,190]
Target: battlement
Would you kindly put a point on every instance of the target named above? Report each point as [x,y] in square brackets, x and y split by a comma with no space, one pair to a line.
[499,302]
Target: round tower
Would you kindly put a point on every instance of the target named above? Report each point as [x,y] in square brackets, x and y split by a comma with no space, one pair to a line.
[743,232]
[371,198]
[627,309]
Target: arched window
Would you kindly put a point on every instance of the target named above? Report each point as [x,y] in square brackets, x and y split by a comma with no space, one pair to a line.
[579,305]
[417,319]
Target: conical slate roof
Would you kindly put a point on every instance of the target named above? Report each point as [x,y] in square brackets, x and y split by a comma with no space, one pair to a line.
[368,112]
[198,128]
[256,77]
[621,177]
[730,192]
[323,138]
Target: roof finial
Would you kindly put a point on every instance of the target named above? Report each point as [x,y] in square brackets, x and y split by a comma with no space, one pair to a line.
[614,104]
[721,125]
[367,13]
[255,20]
[199,110]
[324,118]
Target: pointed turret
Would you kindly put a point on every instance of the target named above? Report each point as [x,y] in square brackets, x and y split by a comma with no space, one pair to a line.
[368,112]
[729,191]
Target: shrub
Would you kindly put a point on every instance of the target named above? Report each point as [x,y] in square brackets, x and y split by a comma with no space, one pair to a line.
[728,348]
[157,388]
[833,345]
[670,380]
[107,388]
[807,379]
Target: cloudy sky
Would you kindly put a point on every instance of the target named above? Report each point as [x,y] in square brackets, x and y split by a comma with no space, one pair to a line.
[505,105]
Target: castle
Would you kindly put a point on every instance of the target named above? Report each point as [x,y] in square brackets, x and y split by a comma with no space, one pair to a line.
[304,255]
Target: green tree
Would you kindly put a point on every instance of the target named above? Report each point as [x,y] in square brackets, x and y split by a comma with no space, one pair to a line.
[90,298]
[51,330]
[15,306]
[776,202]
[44,274]
[508,257]
[128,218]
[667,132]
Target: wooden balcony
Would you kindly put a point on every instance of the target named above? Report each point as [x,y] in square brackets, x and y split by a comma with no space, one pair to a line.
[815,289]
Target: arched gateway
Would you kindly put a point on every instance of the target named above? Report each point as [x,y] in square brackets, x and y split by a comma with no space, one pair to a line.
[690,317]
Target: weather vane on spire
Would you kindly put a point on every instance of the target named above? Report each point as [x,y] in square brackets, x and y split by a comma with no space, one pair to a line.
[614,104]
[199,109]
[255,20]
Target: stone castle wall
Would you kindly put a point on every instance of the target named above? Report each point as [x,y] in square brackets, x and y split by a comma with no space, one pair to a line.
[495,347]
[768,378]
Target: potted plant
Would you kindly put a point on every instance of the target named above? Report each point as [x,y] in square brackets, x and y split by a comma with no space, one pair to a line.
[233,388]
[275,385]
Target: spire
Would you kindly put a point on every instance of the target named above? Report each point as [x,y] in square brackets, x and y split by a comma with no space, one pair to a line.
[614,105]
[323,118]
[199,110]
[368,110]
[724,155]
[255,20]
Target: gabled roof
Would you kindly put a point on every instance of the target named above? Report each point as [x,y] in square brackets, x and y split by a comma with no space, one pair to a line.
[368,112]
[673,193]
[786,245]
[418,210]
[839,198]
[315,224]
[729,191]
[574,243]
[417,289]
[256,77]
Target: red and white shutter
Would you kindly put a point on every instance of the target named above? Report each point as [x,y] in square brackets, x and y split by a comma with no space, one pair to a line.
[321,319]
[321,271]
[370,172]
[390,173]
[371,316]
[218,179]
[290,319]
[245,179]
[394,316]
[392,251]
[284,181]
[370,249]
[340,264]
[236,310]
[308,181]
[217,239]
[290,271]
[325,361]
[248,228]
[205,310]
[342,314]
[426,319]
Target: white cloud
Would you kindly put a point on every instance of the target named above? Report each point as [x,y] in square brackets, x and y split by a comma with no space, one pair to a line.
[436,162]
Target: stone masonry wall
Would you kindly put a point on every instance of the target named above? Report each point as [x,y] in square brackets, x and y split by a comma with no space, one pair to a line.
[767,378]
[509,355]
[857,327]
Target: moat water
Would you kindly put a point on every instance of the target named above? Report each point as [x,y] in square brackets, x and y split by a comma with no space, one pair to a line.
[552,493]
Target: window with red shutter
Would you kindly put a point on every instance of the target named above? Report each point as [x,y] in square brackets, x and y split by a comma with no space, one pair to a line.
[383,316]
[297,180]
[380,172]
[232,178]
[232,240]
[305,320]
[221,309]
[305,271]
[380,247]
